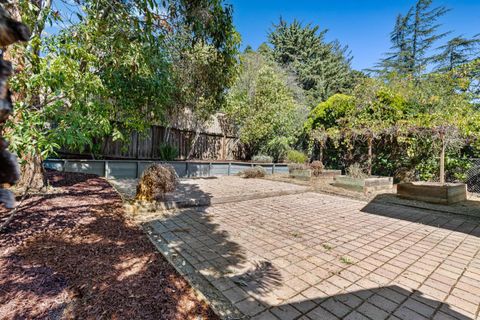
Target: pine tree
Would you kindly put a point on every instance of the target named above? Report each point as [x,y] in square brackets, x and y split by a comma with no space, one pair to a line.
[457,51]
[322,68]
[248,49]
[413,36]
[400,59]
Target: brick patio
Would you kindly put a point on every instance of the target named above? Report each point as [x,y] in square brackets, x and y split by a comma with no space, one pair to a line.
[316,256]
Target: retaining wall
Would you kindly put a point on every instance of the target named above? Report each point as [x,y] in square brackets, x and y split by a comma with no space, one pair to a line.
[131,169]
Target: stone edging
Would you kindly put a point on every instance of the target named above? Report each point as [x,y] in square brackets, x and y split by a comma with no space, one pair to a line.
[212,296]
[137,206]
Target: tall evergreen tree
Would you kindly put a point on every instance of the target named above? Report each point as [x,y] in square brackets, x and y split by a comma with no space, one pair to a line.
[322,68]
[400,58]
[457,51]
[413,36]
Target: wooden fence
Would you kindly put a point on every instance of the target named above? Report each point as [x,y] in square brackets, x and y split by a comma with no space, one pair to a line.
[146,146]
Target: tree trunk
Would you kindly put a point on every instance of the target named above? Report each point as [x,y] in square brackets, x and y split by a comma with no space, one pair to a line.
[442,161]
[194,142]
[32,174]
[370,155]
[320,152]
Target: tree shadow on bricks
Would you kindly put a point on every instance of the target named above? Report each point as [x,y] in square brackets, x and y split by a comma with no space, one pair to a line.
[380,205]
[375,303]
[197,236]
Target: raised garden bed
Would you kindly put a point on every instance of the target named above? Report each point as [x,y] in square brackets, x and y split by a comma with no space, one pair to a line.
[370,184]
[433,192]
[329,174]
[302,174]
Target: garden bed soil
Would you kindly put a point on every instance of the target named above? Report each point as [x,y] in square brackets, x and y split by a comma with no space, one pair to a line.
[366,185]
[72,254]
[433,192]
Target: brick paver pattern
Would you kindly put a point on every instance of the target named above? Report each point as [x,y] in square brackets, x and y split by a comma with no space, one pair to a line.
[212,187]
[315,256]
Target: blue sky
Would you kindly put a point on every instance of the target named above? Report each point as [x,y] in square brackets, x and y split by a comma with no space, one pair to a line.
[363,25]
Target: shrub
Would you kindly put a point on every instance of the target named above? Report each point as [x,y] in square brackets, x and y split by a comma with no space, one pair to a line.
[277,148]
[317,168]
[156,180]
[255,172]
[297,166]
[295,156]
[167,152]
[356,171]
[262,158]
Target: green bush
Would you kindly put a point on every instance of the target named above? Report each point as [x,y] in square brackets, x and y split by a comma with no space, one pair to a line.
[277,148]
[294,156]
[168,152]
[263,158]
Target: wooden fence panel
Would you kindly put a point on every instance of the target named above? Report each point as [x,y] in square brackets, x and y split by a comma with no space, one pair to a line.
[146,146]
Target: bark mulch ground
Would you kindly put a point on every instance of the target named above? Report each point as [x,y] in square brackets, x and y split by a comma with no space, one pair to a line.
[72,254]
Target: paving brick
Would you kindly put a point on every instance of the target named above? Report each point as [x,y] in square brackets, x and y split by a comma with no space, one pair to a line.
[334,306]
[320,313]
[250,306]
[355,316]
[304,305]
[235,294]
[419,307]
[285,312]
[372,311]
[382,303]
[462,304]
[266,315]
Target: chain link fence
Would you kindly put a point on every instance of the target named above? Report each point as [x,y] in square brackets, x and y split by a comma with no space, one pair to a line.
[473,177]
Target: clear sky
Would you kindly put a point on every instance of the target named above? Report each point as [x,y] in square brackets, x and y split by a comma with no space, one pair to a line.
[363,25]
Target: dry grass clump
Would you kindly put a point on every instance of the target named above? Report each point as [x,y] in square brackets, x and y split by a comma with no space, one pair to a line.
[317,168]
[156,180]
[255,172]
[356,171]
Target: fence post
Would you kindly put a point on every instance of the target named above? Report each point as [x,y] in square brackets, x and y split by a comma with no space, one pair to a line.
[106,169]
[186,170]
[209,169]
[138,170]
[273,168]
[229,165]
[65,165]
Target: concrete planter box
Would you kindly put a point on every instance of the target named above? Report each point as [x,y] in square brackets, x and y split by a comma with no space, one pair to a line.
[302,174]
[433,192]
[365,185]
[329,174]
